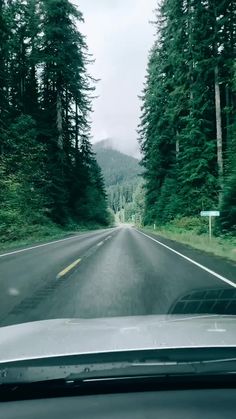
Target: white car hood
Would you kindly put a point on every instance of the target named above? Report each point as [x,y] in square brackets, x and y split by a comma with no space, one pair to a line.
[62,337]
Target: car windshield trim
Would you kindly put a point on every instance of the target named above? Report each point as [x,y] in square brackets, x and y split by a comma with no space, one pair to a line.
[196,361]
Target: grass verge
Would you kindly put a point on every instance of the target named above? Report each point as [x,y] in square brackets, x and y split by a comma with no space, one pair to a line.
[223,246]
[36,234]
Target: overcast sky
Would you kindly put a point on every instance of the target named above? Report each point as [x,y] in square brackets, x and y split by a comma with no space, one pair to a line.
[119,35]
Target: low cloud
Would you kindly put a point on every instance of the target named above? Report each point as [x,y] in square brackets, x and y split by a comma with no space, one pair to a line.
[119,35]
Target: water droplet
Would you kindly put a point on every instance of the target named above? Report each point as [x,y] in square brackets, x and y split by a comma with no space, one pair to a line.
[13,291]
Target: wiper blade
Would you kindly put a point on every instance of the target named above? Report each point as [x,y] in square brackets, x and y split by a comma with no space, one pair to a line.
[110,385]
[152,367]
[90,371]
[107,369]
[222,361]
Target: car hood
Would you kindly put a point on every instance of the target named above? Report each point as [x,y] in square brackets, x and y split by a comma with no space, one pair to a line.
[65,337]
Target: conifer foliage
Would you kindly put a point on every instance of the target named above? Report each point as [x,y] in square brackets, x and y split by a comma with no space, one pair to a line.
[47,167]
[187,129]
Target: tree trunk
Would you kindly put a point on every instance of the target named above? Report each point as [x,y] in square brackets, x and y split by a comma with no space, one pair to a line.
[66,127]
[76,128]
[22,72]
[227,103]
[59,121]
[190,42]
[219,136]
[67,111]
[177,146]
[219,131]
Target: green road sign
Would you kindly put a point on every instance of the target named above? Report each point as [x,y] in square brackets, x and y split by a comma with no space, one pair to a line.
[210,213]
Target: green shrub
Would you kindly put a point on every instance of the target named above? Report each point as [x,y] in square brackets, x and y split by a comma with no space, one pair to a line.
[199,225]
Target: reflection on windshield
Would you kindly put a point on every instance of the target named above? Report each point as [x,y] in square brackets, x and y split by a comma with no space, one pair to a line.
[206,301]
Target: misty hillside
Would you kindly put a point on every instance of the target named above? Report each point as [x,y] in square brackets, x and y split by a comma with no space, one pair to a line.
[121,174]
[117,167]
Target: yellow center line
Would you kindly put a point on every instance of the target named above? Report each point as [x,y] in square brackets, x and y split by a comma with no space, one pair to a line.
[68,268]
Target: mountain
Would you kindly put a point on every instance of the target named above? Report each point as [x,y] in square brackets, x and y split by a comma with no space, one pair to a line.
[117,167]
[130,148]
[121,174]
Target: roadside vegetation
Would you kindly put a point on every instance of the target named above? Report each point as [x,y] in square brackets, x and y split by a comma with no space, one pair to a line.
[188,127]
[194,232]
[26,235]
[50,181]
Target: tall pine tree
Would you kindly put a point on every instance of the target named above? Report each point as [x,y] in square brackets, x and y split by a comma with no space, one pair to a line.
[186,129]
[46,165]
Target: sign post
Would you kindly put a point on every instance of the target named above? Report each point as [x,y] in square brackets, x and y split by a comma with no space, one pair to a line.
[210,233]
[210,214]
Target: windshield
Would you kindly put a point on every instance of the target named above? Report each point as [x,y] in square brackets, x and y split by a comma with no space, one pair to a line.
[117,187]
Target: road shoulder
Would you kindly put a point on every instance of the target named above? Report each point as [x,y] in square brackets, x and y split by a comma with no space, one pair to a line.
[218,264]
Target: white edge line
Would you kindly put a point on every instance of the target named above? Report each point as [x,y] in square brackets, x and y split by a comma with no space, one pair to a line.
[222,278]
[42,245]
[38,245]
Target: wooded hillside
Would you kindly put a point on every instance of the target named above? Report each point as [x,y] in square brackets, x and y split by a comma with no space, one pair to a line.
[121,175]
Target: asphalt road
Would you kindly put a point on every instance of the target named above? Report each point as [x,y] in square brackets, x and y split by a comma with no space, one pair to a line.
[112,272]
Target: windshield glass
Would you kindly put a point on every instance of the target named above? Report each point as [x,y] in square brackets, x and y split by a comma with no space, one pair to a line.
[117,185]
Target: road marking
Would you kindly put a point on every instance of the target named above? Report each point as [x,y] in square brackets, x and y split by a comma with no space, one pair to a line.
[44,244]
[68,269]
[100,243]
[39,245]
[103,241]
[107,238]
[222,278]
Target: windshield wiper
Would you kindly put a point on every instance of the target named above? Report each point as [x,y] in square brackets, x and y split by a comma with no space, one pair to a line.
[108,370]
[164,368]
[165,362]
[109,385]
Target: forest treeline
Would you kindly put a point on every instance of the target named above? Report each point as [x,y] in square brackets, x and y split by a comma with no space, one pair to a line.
[188,123]
[122,176]
[47,168]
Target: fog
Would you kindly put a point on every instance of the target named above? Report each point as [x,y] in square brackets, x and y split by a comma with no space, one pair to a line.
[119,35]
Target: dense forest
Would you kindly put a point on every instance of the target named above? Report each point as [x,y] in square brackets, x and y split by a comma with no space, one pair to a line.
[188,123]
[122,180]
[48,171]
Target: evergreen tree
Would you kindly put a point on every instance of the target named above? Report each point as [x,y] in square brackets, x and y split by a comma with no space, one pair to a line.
[4,36]
[66,103]
[46,163]
[228,206]
[187,123]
